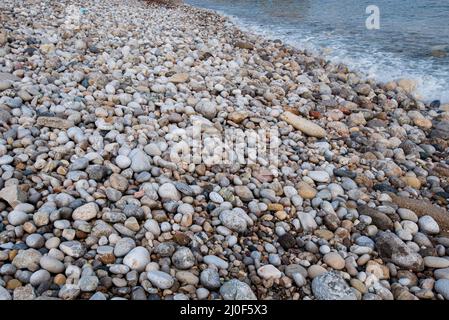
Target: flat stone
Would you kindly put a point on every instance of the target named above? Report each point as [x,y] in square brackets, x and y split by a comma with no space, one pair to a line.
[436,262]
[319,176]
[269,272]
[179,78]
[53,122]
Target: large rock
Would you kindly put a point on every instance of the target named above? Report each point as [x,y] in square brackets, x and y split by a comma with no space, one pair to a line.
[331,286]
[236,290]
[392,249]
[306,126]
[27,259]
[13,194]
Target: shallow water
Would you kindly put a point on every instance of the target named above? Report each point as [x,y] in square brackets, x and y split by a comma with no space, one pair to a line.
[401,48]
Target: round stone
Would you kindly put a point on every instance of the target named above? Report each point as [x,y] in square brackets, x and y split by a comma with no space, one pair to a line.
[183,258]
[334,260]
[137,258]
[168,191]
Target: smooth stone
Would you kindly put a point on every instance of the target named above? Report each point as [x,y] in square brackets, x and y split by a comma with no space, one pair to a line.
[306,126]
[334,260]
[137,258]
[86,212]
[17,218]
[319,176]
[220,263]
[51,264]
[442,287]
[436,262]
[428,225]
[40,276]
[123,246]
[160,279]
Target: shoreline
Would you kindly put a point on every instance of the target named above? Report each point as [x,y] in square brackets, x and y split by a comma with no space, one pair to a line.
[94,104]
[318,52]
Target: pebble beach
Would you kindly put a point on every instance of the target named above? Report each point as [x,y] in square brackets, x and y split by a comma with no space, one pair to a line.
[96,97]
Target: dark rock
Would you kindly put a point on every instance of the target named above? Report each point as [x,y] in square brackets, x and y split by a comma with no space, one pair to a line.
[344,173]
[287,241]
[440,130]
[380,219]
[392,249]
[97,172]
[383,187]
[435,104]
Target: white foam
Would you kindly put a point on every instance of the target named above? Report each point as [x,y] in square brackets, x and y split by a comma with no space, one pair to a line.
[380,66]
